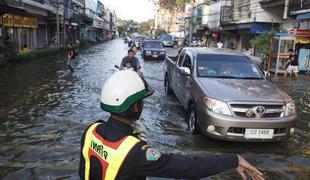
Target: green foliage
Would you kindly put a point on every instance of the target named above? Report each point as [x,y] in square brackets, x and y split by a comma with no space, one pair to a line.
[159,32]
[10,51]
[123,27]
[261,43]
[146,26]
[173,3]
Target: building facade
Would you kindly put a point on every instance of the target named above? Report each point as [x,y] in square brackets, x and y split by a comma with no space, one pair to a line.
[294,33]
[27,23]
[236,22]
[31,24]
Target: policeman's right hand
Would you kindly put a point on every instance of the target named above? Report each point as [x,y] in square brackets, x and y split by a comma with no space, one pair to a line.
[246,169]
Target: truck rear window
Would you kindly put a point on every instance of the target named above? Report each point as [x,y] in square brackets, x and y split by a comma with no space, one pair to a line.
[226,66]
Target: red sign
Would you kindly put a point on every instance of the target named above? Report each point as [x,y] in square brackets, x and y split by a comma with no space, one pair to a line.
[299,32]
[215,35]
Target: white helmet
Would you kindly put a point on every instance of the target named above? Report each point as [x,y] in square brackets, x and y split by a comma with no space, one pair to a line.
[121,90]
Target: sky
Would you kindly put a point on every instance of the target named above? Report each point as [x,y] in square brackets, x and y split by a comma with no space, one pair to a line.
[137,10]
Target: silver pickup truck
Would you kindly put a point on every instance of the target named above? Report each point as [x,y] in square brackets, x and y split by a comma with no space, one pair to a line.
[226,96]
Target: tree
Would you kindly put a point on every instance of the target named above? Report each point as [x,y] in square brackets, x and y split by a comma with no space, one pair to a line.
[159,32]
[146,26]
[173,3]
[122,26]
[173,7]
[261,43]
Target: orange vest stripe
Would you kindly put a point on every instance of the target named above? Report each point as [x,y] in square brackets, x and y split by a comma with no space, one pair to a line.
[110,154]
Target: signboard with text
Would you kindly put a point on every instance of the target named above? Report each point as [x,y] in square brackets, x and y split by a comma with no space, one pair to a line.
[11,20]
[33,22]
[188,10]
[26,22]
[304,60]
[18,21]
[8,20]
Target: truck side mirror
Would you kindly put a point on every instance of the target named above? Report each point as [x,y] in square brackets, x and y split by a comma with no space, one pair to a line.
[185,71]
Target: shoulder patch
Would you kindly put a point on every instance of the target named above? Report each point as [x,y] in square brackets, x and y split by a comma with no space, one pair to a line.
[140,135]
[144,147]
[152,154]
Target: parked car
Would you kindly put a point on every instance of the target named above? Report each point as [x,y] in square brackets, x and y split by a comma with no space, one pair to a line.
[167,40]
[153,49]
[138,41]
[227,97]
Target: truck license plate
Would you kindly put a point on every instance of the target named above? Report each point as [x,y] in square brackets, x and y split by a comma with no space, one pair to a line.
[155,55]
[259,133]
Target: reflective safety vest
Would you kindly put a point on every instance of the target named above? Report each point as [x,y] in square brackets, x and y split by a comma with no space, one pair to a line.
[110,154]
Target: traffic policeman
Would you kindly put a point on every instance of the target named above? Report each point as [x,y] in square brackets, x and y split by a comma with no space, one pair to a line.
[112,149]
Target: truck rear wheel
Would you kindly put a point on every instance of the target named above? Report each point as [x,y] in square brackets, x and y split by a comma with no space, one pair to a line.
[168,90]
[192,121]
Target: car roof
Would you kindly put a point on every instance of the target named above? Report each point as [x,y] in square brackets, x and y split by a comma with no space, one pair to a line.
[214,51]
[152,41]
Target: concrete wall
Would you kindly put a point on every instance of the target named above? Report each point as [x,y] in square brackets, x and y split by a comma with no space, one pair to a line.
[246,11]
[214,15]
[295,24]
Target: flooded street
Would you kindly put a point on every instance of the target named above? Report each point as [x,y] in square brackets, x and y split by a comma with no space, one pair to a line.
[44,110]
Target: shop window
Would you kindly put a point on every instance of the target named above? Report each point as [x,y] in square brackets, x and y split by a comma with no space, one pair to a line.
[285,45]
[26,39]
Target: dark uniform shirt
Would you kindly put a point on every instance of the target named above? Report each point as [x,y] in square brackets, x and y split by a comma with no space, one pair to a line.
[138,164]
[293,60]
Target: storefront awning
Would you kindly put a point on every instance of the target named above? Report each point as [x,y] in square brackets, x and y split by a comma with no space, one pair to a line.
[258,28]
[229,27]
[303,16]
[302,40]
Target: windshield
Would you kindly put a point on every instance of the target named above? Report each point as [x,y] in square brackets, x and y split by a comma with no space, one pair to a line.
[153,44]
[226,66]
[167,38]
[140,38]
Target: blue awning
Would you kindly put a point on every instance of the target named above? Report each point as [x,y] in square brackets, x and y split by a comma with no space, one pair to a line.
[303,16]
[258,28]
[255,28]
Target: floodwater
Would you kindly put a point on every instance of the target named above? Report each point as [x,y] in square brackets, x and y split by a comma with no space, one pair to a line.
[44,110]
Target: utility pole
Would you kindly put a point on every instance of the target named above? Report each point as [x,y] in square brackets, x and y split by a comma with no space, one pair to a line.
[57,24]
[64,24]
[190,30]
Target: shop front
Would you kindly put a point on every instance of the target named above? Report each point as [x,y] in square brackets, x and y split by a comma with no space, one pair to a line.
[296,39]
[20,30]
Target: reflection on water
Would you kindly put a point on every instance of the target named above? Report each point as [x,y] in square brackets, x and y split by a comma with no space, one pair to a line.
[44,110]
